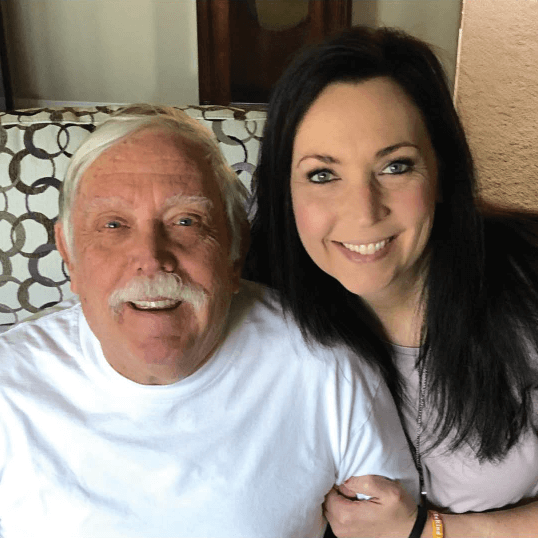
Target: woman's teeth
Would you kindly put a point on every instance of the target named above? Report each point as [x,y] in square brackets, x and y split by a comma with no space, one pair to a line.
[370,248]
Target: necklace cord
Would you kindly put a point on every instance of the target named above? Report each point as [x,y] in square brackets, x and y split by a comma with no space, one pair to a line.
[420,429]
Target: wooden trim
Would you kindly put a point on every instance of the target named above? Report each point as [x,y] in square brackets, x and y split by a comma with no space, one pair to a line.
[337,15]
[329,16]
[213,51]
[6,94]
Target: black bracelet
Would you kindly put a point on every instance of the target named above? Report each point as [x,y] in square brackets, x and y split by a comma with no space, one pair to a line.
[420,522]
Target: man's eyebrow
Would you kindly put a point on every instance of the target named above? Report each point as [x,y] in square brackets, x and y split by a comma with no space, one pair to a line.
[328,159]
[184,199]
[104,202]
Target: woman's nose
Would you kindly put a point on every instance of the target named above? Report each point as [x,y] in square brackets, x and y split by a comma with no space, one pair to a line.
[364,202]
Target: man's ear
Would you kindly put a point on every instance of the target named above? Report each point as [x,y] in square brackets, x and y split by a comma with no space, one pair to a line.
[240,262]
[61,245]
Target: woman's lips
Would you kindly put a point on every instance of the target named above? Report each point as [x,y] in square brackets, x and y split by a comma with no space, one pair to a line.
[366,252]
[367,248]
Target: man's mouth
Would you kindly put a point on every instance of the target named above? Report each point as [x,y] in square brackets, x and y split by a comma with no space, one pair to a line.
[368,248]
[160,304]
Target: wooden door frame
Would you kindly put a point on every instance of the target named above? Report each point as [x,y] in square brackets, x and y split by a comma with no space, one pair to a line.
[214,63]
[6,95]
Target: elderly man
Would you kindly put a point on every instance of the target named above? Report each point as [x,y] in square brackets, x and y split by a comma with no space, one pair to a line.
[174,400]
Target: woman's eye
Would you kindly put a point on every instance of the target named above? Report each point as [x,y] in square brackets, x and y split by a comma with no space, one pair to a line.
[398,167]
[321,176]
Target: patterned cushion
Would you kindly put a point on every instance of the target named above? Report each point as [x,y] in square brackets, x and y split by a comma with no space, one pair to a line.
[35,147]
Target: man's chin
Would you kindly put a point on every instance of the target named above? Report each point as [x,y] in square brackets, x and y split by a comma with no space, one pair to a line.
[163,358]
[155,369]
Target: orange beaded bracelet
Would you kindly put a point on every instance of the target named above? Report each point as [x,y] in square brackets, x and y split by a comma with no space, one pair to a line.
[437,524]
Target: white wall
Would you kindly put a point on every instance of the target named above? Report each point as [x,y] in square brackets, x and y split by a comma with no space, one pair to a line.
[435,21]
[104,51]
[125,51]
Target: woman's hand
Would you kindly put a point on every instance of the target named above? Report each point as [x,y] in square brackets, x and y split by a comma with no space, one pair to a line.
[390,512]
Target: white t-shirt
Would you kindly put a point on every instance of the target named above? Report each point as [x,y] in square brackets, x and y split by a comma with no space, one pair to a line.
[456,479]
[245,447]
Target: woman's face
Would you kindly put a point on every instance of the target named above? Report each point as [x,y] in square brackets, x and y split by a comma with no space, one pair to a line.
[363,185]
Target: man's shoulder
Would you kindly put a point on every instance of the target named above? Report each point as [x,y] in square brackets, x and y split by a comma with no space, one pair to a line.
[257,310]
[251,296]
[54,324]
[258,307]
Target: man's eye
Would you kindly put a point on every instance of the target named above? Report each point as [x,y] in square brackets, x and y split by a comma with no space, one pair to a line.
[186,221]
[398,167]
[321,176]
[112,224]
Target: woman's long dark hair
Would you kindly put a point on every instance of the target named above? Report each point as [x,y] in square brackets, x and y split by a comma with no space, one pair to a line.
[482,278]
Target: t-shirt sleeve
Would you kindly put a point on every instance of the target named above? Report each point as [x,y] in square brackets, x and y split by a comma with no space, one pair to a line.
[372,440]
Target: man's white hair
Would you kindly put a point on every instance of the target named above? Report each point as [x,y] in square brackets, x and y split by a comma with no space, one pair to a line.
[135,118]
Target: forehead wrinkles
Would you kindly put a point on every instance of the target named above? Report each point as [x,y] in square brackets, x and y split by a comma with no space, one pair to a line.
[136,164]
[151,152]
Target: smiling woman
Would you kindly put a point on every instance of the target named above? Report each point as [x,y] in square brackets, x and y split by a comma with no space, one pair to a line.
[369,227]
[363,180]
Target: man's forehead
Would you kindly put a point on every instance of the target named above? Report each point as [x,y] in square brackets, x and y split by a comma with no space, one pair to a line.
[151,151]
[147,162]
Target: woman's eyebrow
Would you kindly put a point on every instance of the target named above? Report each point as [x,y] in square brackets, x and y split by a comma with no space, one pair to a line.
[394,147]
[328,159]
[323,158]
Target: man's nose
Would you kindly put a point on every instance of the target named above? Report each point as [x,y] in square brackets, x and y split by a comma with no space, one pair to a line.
[152,252]
[364,203]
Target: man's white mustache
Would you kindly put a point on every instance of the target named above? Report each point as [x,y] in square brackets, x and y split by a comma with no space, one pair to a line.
[160,286]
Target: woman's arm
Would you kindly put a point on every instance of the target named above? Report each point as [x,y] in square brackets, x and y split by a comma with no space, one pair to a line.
[391,512]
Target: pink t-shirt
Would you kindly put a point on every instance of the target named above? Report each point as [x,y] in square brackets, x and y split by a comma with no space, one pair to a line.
[456,480]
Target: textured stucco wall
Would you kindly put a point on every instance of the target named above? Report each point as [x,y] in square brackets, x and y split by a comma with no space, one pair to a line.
[497,96]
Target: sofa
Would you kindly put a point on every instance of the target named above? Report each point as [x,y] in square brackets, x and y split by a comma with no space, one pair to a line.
[35,147]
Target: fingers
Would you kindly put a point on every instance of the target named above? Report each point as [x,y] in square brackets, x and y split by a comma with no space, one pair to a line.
[347,492]
[379,488]
[390,511]
[344,514]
